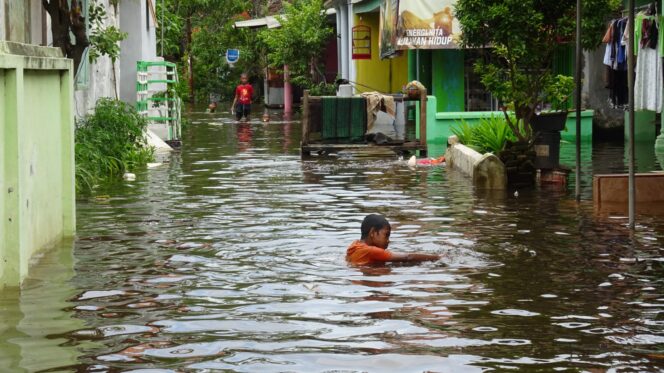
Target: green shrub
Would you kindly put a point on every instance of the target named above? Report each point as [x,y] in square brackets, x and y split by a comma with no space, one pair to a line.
[489,136]
[109,142]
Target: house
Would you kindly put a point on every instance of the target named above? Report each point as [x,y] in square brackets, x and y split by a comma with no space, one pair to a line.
[37,203]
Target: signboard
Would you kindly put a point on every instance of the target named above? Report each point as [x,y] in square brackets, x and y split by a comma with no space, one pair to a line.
[232,55]
[387,28]
[419,24]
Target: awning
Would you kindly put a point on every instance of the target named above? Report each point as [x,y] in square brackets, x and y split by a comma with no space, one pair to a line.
[367,6]
[269,21]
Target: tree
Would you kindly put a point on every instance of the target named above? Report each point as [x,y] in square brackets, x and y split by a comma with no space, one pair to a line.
[198,32]
[67,18]
[522,37]
[299,41]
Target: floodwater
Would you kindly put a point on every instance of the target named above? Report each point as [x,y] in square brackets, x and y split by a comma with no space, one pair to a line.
[230,257]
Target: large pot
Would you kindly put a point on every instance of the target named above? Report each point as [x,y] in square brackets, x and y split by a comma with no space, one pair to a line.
[549,122]
[547,127]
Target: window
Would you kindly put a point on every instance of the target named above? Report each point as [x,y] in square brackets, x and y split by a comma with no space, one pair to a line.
[477,97]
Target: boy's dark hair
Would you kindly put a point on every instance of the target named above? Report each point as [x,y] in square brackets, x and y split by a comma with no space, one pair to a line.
[373,221]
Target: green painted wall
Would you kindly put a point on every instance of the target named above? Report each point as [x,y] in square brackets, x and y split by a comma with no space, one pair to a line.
[449,79]
[37,148]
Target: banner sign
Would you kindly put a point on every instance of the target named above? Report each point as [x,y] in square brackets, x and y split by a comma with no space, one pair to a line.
[418,24]
[387,28]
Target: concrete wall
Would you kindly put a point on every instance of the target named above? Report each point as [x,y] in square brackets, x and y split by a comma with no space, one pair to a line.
[137,20]
[103,81]
[375,73]
[37,155]
[15,20]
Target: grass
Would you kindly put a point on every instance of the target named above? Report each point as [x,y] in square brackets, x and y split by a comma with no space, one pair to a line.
[109,142]
[489,136]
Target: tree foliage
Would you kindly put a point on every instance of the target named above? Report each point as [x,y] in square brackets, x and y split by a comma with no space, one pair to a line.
[299,41]
[197,33]
[104,40]
[522,36]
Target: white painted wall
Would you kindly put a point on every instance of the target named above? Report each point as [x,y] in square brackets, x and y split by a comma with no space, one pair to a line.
[36,22]
[103,82]
[137,20]
[2,20]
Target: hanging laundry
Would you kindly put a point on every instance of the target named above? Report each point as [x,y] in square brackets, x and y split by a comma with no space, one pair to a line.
[615,59]
[649,79]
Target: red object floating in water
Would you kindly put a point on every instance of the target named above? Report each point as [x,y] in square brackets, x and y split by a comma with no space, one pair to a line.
[431,162]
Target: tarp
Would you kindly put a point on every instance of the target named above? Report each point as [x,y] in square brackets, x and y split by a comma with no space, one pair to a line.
[418,24]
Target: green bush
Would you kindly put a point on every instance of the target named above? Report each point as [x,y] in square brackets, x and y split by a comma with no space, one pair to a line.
[489,136]
[109,142]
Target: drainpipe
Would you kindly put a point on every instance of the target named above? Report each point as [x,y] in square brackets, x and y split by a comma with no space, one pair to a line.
[288,93]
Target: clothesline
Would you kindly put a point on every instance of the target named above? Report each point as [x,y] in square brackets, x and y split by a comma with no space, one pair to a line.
[651,7]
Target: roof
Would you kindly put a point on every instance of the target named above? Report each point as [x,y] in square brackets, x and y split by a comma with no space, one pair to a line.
[269,21]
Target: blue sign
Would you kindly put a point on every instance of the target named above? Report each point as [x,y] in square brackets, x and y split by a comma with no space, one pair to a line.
[232,55]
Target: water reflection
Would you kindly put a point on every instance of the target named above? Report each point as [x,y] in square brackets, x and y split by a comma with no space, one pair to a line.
[231,257]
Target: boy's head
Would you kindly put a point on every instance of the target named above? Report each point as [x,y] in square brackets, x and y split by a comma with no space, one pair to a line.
[376,231]
[244,78]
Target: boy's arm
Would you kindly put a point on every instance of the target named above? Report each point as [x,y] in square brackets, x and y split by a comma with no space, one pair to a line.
[414,257]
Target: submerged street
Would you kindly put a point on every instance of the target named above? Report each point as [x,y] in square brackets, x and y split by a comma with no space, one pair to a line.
[230,257]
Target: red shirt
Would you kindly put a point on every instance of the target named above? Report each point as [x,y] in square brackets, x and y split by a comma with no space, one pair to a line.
[359,253]
[244,92]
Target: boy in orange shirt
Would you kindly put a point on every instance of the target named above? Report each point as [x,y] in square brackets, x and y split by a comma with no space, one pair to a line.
[372,247]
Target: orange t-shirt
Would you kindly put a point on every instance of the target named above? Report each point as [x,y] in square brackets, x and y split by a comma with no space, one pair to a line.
[359,253]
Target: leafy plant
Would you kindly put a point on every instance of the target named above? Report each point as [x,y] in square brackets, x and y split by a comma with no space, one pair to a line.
[104,40]
[323,89]
[108,143]
[490,135]
[299,41]
[464,132]
[558,91]
[523,36]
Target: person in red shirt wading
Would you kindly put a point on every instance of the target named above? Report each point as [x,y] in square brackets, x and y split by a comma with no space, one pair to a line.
[372,247]
[242,101]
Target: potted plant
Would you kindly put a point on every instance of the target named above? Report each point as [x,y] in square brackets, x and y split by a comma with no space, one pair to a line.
[519,39]
[556,93]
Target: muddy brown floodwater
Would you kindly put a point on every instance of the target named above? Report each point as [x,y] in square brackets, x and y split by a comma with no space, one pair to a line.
[230,257]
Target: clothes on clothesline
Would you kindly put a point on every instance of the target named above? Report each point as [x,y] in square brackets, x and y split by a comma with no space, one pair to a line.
[615,60]
[649,79]
[649,69]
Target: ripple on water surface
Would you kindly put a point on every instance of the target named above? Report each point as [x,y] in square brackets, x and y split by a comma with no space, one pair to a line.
[231,257]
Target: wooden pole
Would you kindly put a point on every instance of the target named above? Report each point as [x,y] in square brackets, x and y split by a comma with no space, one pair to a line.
[288,92]
[423,117]
[630,84]
[579,61]
[305,118]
